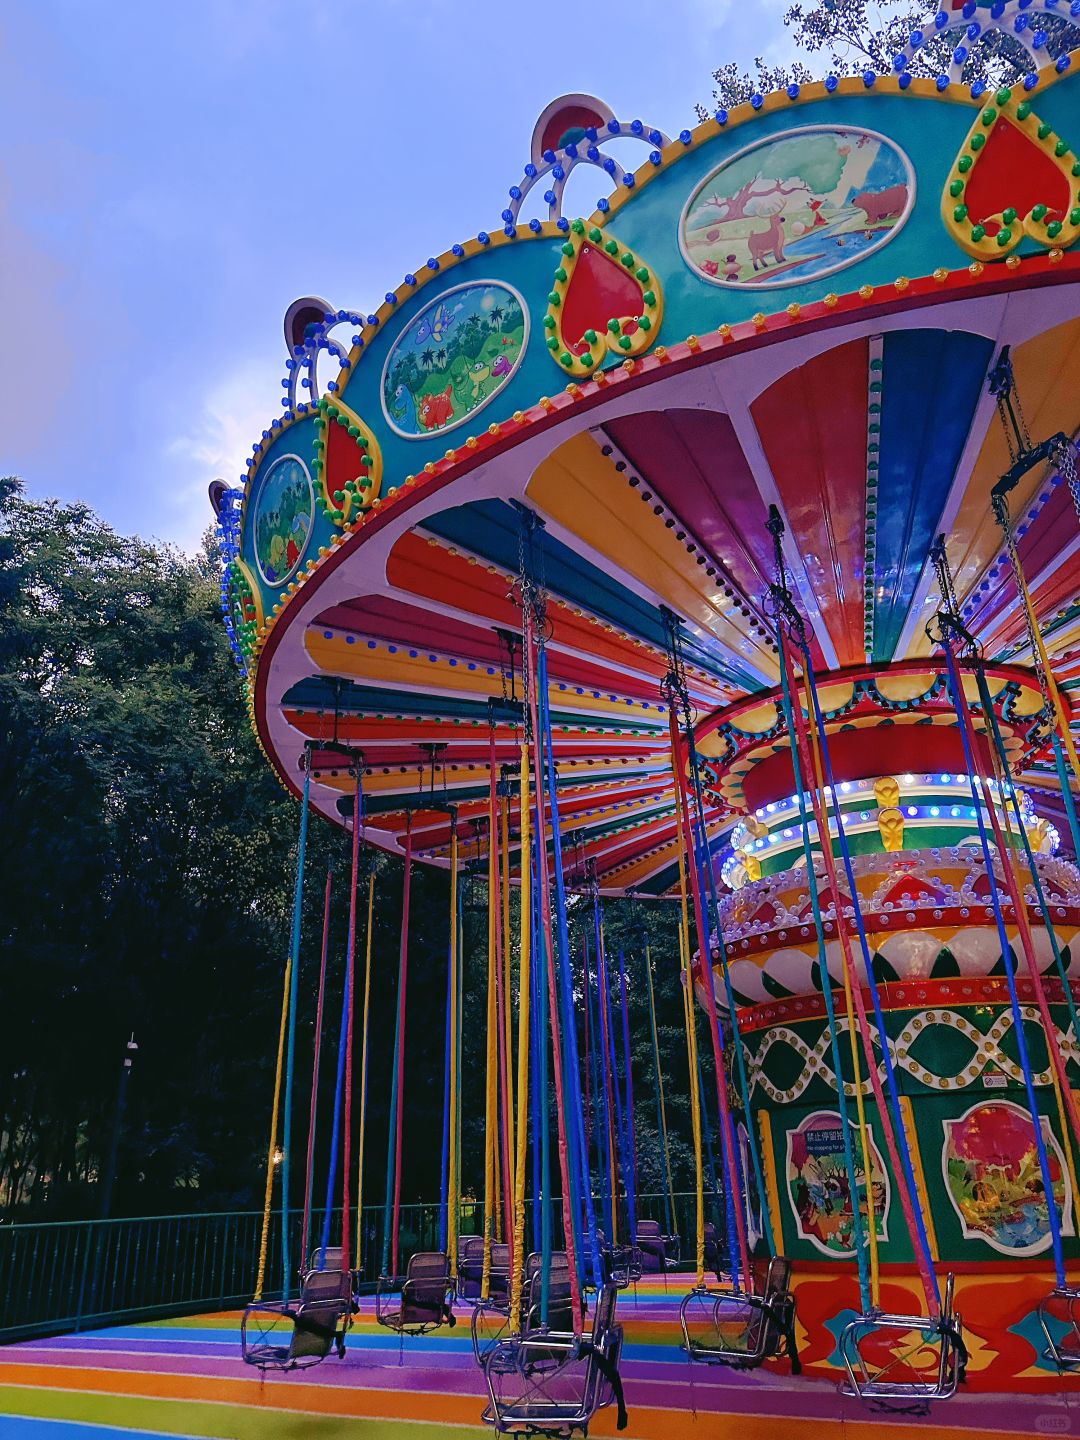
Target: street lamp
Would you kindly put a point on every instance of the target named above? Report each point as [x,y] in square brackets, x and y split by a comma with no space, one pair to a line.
[109,1175]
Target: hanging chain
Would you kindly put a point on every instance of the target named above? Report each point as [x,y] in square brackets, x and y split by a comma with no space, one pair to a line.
[529,593]
[947,623]
[1002,385]
[1065,459]
[782,602]
[949,603]
[674,686]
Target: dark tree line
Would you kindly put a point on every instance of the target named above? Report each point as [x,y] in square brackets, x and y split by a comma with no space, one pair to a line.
[147,873]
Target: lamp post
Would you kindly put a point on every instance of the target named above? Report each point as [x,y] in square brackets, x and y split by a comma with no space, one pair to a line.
[109,1174]
[92,1242]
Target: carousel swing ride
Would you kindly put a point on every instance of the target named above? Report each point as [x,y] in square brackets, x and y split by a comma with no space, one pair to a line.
[755,593]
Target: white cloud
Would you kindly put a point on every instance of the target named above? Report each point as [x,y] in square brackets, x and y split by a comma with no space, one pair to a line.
[232,415]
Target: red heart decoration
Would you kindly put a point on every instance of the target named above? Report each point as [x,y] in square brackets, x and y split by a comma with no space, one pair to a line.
[1013,171]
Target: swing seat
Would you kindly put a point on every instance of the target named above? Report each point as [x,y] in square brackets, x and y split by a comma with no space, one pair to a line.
[712,1251]
[742,1329]
[489,1325]
[560,1318]
[420,1302]
[904,1362]
[320,1320]
[470,1273]
[499,1276]
[553,1385]
[1059,1316]
[490,1320]
[625,1264]
[659,1252]
[622,1263]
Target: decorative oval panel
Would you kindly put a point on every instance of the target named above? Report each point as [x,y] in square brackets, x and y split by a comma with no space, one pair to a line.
[819,1191]
[453,357]
[797,206]
[993,1178]
[284,514]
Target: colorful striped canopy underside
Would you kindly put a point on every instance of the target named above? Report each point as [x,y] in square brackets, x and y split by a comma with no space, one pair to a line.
[868,443]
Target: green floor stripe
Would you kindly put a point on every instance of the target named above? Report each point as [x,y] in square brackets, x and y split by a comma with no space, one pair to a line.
[213,1420]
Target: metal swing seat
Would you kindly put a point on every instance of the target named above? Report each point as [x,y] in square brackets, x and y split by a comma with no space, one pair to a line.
[549,1383]
[320,1319]
[623,1264]
[743,1328]
[903,1362]
[420,1301]
[490,1320]
[659,1252]
[1059,1316]
[490,1325]
[470,1276]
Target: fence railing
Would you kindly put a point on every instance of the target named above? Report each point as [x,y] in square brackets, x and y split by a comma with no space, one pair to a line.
[75,1275]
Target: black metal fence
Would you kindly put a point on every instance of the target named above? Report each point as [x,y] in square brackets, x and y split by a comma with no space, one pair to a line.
[75,1275]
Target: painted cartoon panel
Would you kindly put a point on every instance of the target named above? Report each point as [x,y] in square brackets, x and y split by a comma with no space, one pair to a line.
[818,1185]
[284,514]
[994,1180]
[797,206]
[453,358]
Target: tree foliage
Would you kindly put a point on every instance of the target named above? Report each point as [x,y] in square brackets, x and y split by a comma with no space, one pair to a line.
[848,37]
[146,888]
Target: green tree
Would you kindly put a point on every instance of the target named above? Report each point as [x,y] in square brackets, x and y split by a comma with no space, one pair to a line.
[147,888]
[846,37]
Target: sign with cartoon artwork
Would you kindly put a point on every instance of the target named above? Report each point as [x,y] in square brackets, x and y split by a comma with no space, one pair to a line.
[797,206]
[994,1180]
[818,1185]
[284,512]
[453,358]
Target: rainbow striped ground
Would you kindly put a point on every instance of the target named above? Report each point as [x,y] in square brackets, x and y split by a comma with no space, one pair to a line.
[185,1378]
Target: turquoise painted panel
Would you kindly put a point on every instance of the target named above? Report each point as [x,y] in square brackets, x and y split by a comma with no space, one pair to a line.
[280,534]
[928,132]
[527,267]
[512,367]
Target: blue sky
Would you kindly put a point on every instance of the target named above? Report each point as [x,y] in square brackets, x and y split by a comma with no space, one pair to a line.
[172,175]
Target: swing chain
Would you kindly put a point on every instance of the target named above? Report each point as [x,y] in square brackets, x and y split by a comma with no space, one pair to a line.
[530,582]
[1065,459]
[1000,507]
[946,621]
[781,601]
[674,686]
[1002,384]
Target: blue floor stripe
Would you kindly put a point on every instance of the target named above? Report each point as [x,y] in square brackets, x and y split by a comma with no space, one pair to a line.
[28,1427]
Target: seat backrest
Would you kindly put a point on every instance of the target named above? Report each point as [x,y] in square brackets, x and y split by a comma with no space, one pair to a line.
[428,1275]
[536,1260]
[648,1230]
[329,1259]
[428,1265]
[500,1257]
[778,1275]
[604,1317]
[560,1315]
[322,1285]
[471,1254]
